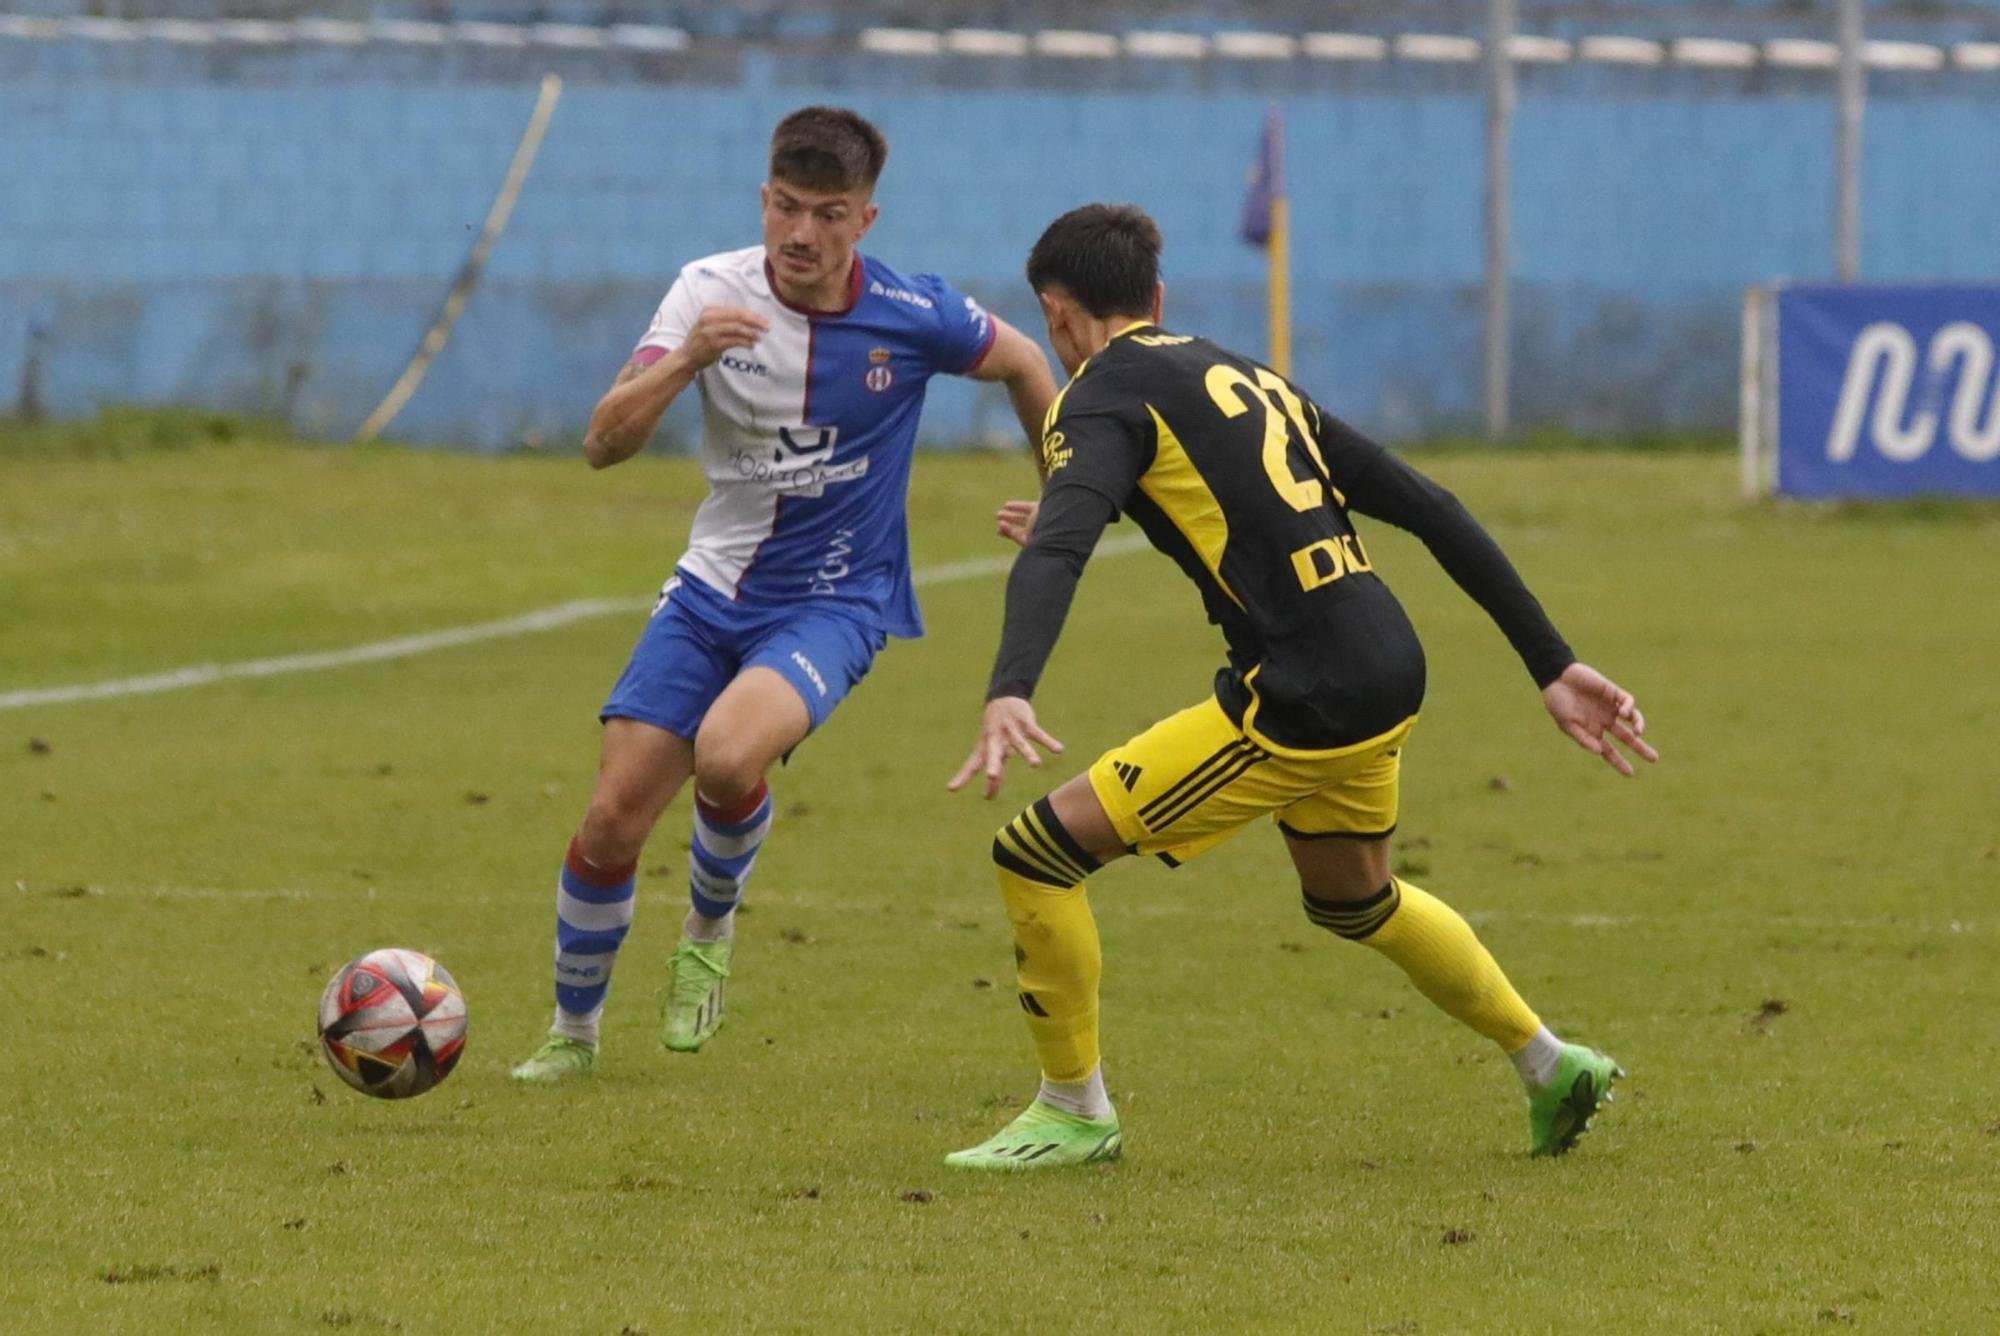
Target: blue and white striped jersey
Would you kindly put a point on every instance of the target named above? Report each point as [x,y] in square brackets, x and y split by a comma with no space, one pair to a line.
[808,435]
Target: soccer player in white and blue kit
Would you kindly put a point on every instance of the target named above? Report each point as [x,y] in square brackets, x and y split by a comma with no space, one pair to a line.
[811,361]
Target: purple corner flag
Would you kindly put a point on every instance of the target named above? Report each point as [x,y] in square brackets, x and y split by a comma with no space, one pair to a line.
[1267,180]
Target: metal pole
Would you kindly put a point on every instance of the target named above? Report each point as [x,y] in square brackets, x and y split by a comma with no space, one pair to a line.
[1853,95]
[1278,249]
[1499,123]
[467,281]
[1750,397]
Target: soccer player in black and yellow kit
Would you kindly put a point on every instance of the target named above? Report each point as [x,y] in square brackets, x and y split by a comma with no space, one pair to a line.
[1246,484]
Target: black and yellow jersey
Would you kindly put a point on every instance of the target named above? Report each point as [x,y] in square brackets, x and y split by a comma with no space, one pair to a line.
[1247,484]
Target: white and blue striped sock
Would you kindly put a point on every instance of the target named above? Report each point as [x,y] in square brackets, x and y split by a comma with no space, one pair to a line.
[593,914]
[726,841]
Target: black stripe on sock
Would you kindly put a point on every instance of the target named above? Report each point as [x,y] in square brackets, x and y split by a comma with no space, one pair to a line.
[1028,847]
[1355,920]
[1005,857]
[1030,838]
[1045,812]
[1360,932]
[1352,929]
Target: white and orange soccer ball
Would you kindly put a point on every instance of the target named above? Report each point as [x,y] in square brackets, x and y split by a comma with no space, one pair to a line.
[392,1023]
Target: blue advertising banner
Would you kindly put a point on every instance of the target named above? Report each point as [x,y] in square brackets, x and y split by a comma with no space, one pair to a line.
[1888,391]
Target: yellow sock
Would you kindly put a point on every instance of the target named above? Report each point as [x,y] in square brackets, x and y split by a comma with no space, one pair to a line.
[1057,964]
[1444,959]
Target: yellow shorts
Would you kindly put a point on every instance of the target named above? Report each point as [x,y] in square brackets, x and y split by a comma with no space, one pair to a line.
[1194,779]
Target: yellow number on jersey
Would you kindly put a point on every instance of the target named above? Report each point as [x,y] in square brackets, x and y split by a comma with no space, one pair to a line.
[1234,393]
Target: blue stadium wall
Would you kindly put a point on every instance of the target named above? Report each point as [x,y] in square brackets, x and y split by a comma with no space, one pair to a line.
[273,233]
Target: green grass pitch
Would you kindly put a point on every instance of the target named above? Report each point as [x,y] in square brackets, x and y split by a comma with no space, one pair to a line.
[1787,932]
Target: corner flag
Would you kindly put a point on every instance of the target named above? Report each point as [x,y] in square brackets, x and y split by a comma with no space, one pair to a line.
[1267,223]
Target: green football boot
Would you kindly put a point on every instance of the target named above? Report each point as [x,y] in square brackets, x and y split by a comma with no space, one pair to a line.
[557,1059]
[1044,1137]
[695,994]
[1560,1112]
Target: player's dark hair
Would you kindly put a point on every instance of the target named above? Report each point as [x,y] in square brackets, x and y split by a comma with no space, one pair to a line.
[1106,255]
[828,149]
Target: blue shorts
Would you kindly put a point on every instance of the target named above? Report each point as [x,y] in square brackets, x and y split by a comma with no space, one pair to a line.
[698,642]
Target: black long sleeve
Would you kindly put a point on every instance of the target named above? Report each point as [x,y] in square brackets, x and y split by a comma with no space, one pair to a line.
[1043,582]
[1389,489]
[1246,485]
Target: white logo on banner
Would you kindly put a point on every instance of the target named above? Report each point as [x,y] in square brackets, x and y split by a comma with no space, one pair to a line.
[1887,348]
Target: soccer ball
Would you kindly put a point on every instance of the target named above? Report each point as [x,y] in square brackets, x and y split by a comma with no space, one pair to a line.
[392,1023]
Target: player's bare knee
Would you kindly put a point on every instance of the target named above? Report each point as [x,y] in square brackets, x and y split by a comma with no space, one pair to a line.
[1344,886]
[727,771]
[1338,869]
[615,826]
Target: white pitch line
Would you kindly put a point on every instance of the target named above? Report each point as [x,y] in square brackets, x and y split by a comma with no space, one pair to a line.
[201,674]
[404,647]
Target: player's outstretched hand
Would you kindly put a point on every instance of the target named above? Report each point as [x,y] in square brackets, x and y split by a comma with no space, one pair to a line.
[1593,709]
[1017,520]
[1007,728]
[718,329]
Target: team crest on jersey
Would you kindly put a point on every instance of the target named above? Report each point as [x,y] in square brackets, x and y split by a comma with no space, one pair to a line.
[879,376]
[1055,452]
